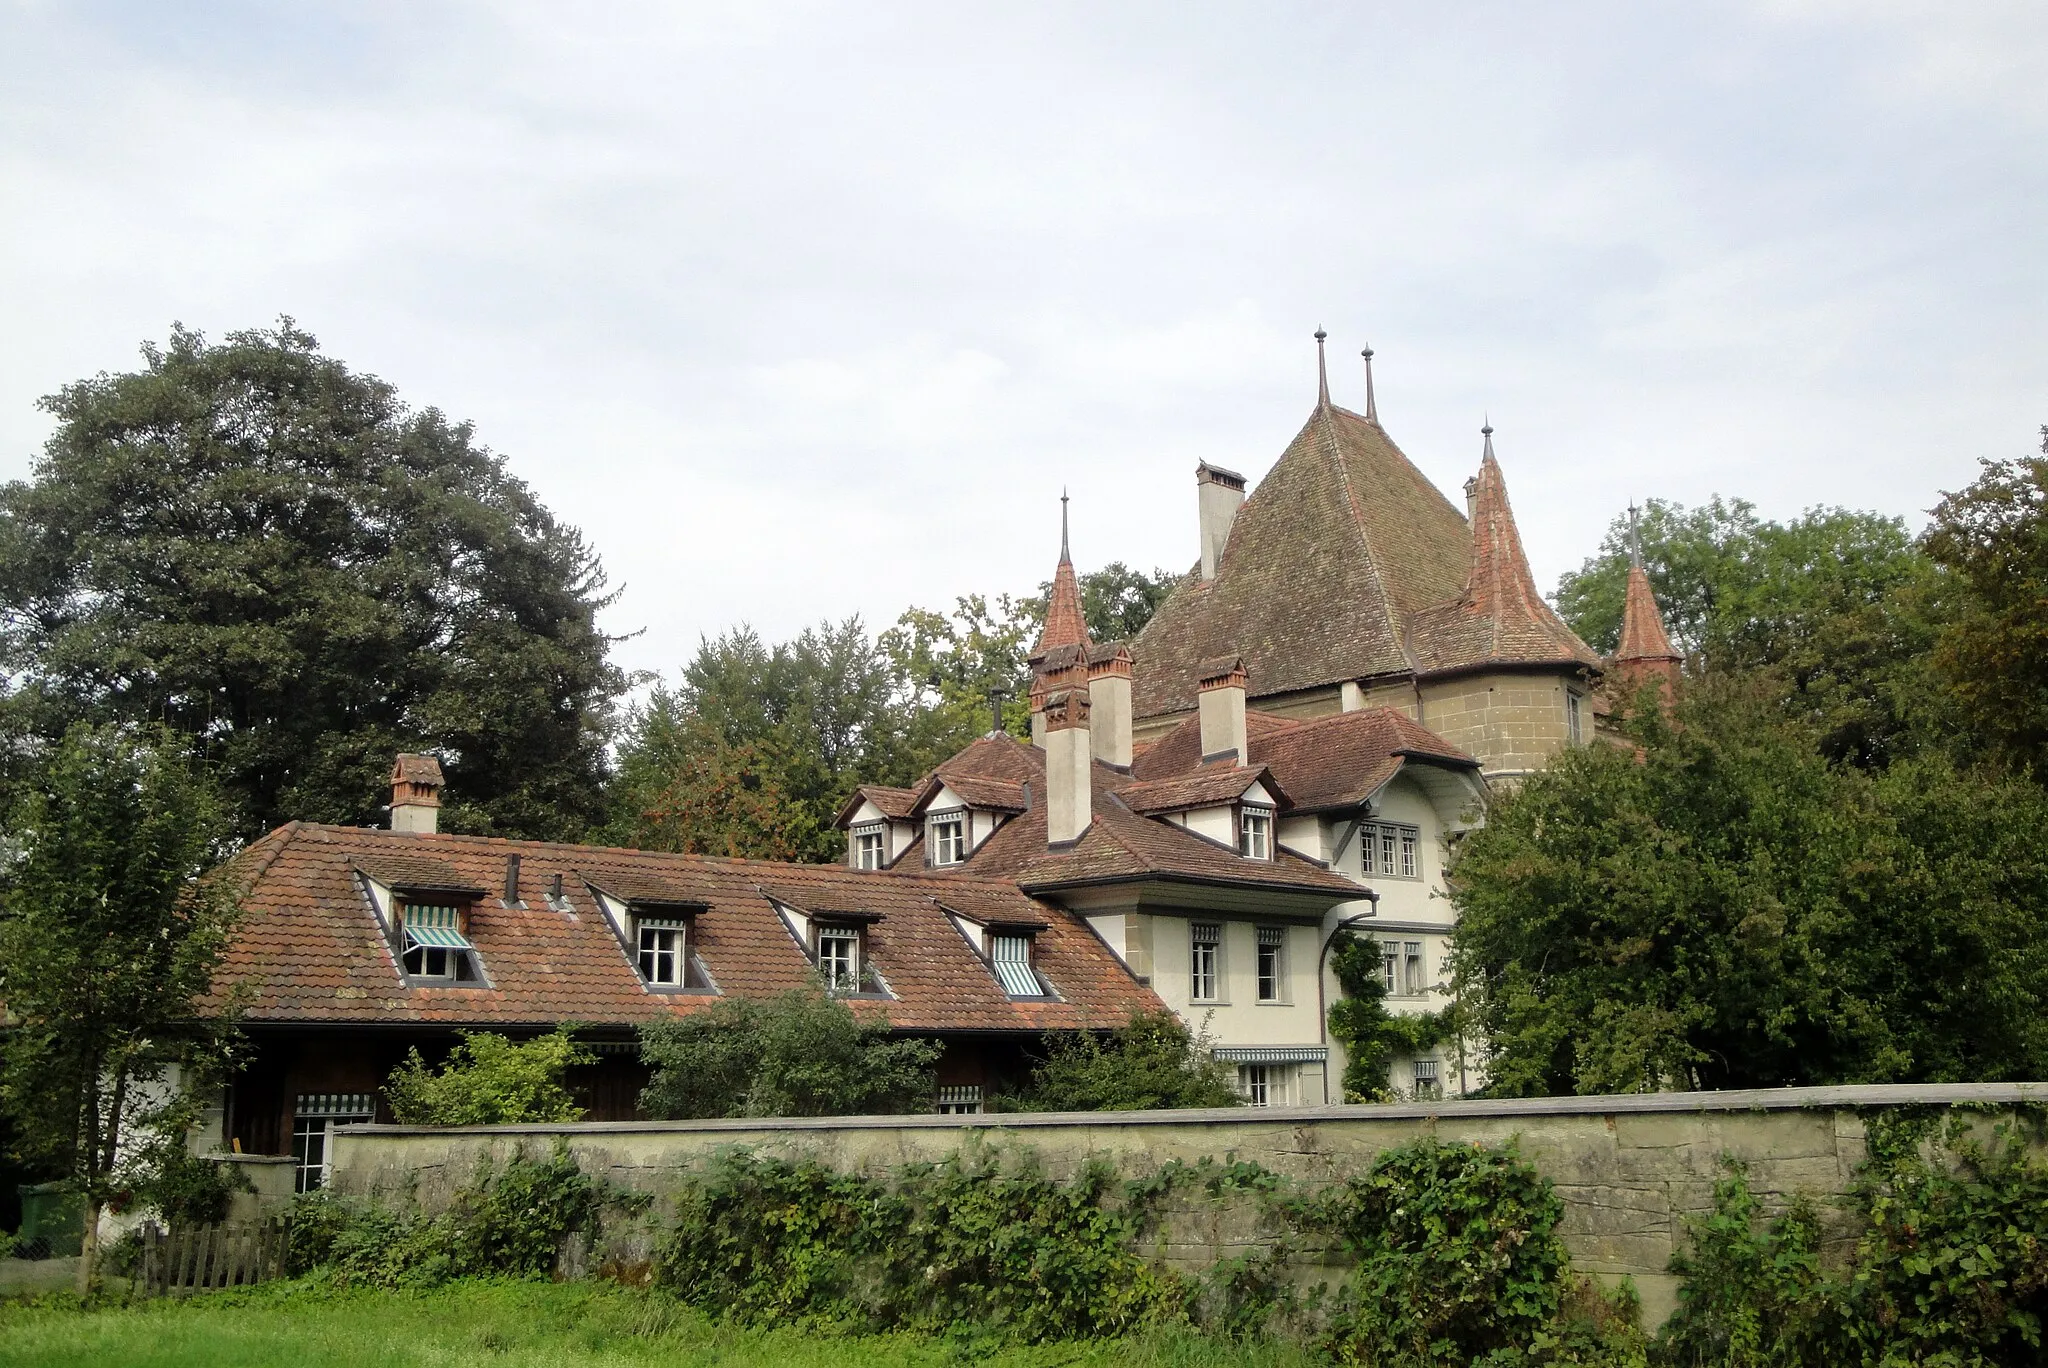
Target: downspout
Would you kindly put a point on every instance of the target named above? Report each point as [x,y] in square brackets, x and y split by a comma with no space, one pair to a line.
[1322,1006]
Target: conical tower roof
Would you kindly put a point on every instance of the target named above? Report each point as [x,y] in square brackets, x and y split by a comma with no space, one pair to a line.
[1065,623]
[1501,618]
[1642,626]
[1340,542]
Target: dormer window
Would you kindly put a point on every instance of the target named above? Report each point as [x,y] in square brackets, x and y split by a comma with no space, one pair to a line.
[1010,955]
[664,945]
[869,846]
[435,947]
[1255,832]
[946,836]
[839,958]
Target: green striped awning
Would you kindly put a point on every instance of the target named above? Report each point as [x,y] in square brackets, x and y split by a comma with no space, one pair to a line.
[435,926]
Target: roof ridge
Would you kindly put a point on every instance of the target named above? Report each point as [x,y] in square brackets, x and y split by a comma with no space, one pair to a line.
[1372,559]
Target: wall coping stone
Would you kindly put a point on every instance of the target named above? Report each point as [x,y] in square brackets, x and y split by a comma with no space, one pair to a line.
[1845,1097]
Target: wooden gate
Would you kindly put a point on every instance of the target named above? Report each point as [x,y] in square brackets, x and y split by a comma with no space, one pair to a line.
[196,1258]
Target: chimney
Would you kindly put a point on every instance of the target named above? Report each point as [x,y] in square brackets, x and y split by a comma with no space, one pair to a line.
[1068,797]
[416,793]
[511,881]
[1109,704]
[1220,493]
[1221,704]
[1472,499]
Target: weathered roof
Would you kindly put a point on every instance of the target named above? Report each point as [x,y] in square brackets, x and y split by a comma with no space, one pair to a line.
[1209,786]
[1642,626]
[311,949]
[1319,763]
[413,768]
[1501,617]
[893,803]
[977,790]
[1342,540]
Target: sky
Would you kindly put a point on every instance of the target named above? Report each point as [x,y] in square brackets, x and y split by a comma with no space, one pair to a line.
[802,311]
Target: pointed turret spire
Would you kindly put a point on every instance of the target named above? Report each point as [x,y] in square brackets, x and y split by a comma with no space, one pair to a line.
[1635,537]
[1065,624]
[1372,408]
[1487,432]
[1645,651]
[1322,371]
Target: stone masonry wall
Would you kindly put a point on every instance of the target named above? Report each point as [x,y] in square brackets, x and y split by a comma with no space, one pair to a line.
[1629,1169]
[1514,723]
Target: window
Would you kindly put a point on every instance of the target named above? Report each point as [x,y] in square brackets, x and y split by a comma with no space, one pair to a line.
[946,835]
[314,1122]
[1412,976]
[1390,966]
[868,849]
[1272,963]
[661,951]
[1428,1078]
[962,1100]
[435,947]
[1205,943]
[1264,1085]
[1255,832]
[839,959]
[1571,716]
[1390,849]
[1011,956]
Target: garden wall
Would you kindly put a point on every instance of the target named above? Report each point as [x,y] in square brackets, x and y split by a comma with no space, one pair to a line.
[1628,1168]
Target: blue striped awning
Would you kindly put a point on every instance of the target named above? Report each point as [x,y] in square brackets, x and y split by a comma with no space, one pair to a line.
[436,926]
[1272,1054]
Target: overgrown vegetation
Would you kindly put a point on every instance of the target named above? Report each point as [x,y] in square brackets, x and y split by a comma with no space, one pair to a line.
[1374,1038]
[489,1080]
[1152,1061]
[801,1054]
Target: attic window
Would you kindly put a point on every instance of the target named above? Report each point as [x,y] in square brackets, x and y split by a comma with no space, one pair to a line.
[868,850]
[839,958]
[663,945]
[946,836]
[1010,956]
[1255,831]
[435,947]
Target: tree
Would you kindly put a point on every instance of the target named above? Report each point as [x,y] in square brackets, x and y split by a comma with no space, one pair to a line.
[1152,1061]
[1992,538]
[108,944]
[274,557]
[1839,607]
[489,1080]
[1724,908]
[801,1054]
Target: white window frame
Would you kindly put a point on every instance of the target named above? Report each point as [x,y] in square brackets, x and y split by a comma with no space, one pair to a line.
[1272,964]
[1266,1085]
[313,1146]
[1390,967]
[828,965]
[870,845]
[1573,727]
[648,934]
[955,847]
[1255,831]
[1391,850]
[427,958]
[1411,853]
[1205,961]
[1414,970]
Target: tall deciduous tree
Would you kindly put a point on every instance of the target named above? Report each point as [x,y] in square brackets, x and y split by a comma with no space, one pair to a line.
[108,943]
[272,555]
[1725,908]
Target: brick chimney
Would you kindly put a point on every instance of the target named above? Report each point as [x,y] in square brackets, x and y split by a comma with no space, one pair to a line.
[1221,704]
[1109,704]
[1219,494]
[416,793]
[1068,793]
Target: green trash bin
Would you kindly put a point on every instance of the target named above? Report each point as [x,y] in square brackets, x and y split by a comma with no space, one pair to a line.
[52,1221]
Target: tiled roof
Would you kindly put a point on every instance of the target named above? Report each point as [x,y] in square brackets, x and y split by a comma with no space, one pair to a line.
[413,768]
[1319,763]
[1642,625]
[416,873]
[894,803]
[311,949]
[1338,545]
[1501,617]
[1210,786]
[1065,624]
[978,790]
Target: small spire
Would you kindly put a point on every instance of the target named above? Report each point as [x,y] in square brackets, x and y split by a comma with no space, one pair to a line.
[1322,371]
[1372,408]
[1065,559]
[1487,432]
[1635,537]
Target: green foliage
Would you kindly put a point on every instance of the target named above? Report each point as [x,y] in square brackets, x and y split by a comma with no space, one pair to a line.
[1152,1061]
[1726,909]
[1753,1295]
[1116,601]
[1374,1038]
[1010,1253]
[510,1223]
[489,1080]
[801,1054]
[184,1188]
[277,559]
[108,941]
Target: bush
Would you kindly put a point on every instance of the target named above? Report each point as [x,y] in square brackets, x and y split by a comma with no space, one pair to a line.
[489,1081]
[801,1054]
[1152,1061]
[1372,1036]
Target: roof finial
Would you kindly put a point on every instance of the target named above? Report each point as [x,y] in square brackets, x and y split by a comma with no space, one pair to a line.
[1372,408]
[1487,432]
[1322,371]
[1064,557]
[1635,536]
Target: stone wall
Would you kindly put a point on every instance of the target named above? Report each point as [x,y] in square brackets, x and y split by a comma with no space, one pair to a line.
[1628,1168]
[1514,723]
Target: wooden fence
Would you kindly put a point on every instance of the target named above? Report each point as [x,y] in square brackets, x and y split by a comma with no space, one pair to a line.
[200,1257]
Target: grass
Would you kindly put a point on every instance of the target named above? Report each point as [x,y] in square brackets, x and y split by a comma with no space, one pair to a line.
[515,1324]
